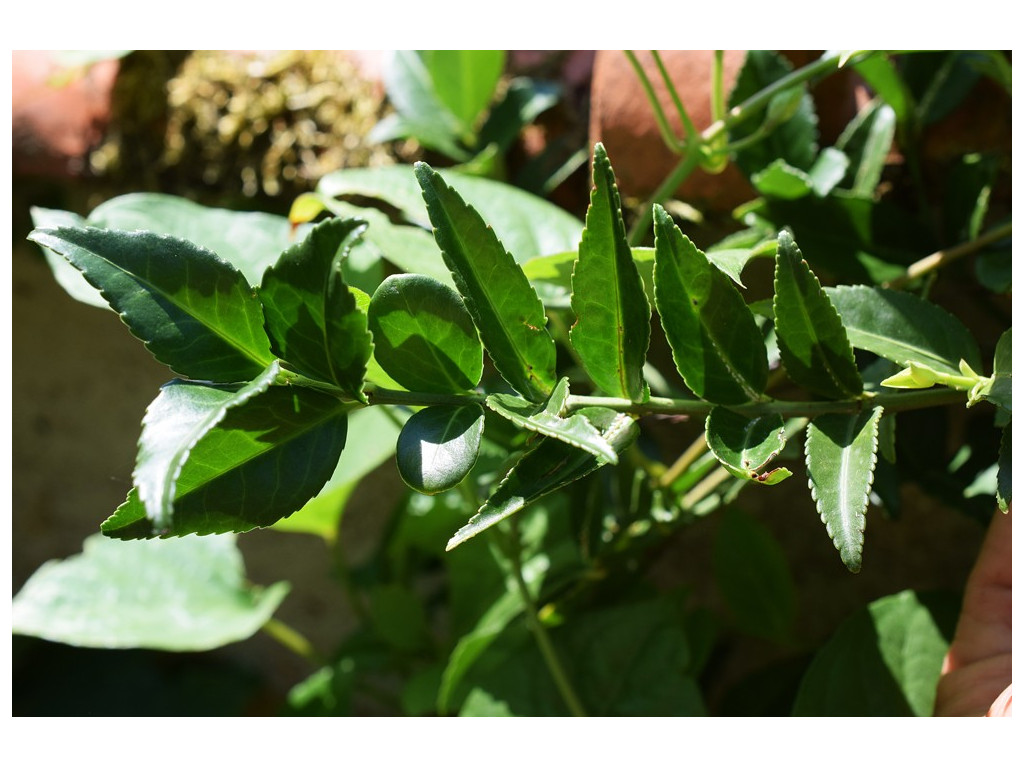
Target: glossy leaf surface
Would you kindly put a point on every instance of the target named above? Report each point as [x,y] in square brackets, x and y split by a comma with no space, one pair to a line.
[194,311]
[812,341]
[69,278]
[548,467]
[438,446]
[841,451]
[904,328]
[174,422]
[716,345]
[378,429]
[423,335]
[311,318]
[262,461]
[884,661]
[546,420]
[744,445]
[175,595]
[503,304]
[613,319]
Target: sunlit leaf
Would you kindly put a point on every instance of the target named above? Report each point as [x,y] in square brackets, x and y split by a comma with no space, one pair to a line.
[503,304]
[744,445]
[841,451]
[194,311]
[423,335]
[438,446]
[716,345]
[812,341]
[176,595]
[613,319]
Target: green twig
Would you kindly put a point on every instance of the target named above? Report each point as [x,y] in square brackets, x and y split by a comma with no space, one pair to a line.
[293,640]
[540,633]
[684,117]
[667,135]
[940,259]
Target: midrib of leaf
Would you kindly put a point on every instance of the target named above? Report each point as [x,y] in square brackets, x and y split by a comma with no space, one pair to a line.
[620,351]
[920,355]
[187,306]
[440,362]
[249,457]
[749,390]
[844,471]
[818,346]
[524,365]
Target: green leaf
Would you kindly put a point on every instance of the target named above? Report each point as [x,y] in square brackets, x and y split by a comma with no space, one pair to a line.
[546,420]
[881,74]
[69,278]
[744,445]
[423,335]
[174,422]
[754,578]
[524,100]
[262,461]
[438,446]
[828,170]
[715,342]
[464,82]
[311,317]
[1004,477]
[1000,390]
[613,318]
[779,179]
[378,429]
[904,328]
[504,306]
[883,661]
[867,141]
[249,241]
[176,595]
[398,616]
[193,310]
[526,224]
[812,341]
[548,467]
[795,140]
[841,451]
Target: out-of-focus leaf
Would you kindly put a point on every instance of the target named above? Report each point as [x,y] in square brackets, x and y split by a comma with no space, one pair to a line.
[423,335]
[715,342]
[69,278]
[523,102]
[752,573]
[795,139]
[438,446]
[613,319]
[175,595]
[464,82]
[194,311]
[1000,390]
[880,73]
[378,429]
[867,141]
[249,241]
[527,225]
[503,304]
[812,341]
[883,661]
[398,616]
[841,452]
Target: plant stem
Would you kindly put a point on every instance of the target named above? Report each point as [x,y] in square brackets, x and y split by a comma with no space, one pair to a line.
[293,640]
[670,139]
[540,633]
[671,183]
[697,448]
[940,259]
[891,401]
